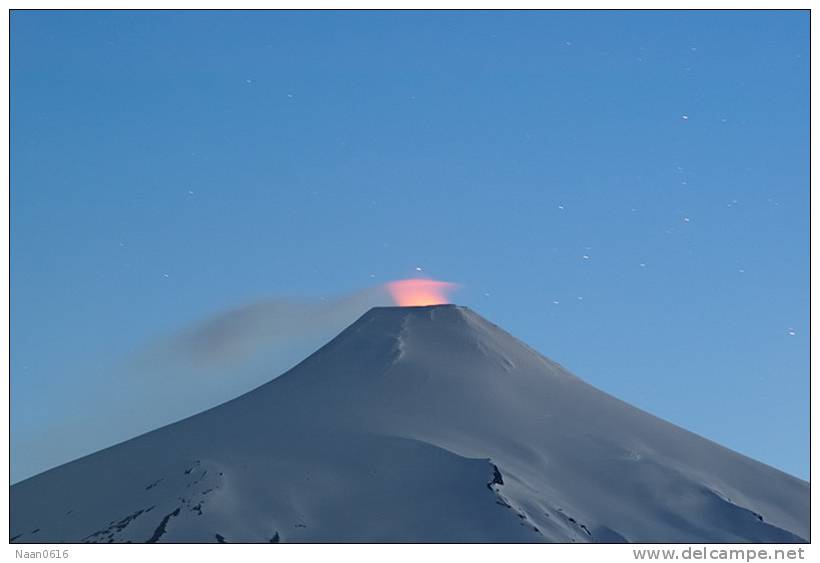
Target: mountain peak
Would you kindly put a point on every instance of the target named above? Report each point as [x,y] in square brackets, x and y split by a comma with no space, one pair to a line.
[444,341]
[385,434]
[416,310]
[444,311]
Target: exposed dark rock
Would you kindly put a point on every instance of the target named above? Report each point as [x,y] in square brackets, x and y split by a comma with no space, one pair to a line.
[161,529]
[497,479]
[154,484]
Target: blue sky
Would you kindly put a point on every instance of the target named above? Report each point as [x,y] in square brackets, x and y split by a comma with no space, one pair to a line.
[627,192]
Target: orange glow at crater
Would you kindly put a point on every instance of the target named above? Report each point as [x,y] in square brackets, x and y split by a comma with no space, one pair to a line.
[419,292]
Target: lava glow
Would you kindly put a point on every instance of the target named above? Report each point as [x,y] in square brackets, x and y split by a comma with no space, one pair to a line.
[420,292]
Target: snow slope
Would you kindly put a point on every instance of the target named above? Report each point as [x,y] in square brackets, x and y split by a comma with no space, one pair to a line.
[416,424]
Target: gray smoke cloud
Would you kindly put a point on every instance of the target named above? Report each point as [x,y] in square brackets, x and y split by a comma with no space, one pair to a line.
[273,330]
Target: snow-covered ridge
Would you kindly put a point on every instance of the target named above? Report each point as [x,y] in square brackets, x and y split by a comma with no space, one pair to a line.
[415,424]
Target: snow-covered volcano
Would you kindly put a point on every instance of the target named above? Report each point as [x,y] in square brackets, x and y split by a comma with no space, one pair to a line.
[415,424]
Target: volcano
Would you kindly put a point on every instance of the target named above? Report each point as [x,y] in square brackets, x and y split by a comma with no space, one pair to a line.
[415,424]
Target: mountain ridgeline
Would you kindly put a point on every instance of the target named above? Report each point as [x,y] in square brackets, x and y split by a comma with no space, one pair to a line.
[415,424]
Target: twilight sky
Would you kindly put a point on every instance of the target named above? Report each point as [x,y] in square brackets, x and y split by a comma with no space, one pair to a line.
[627,192]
